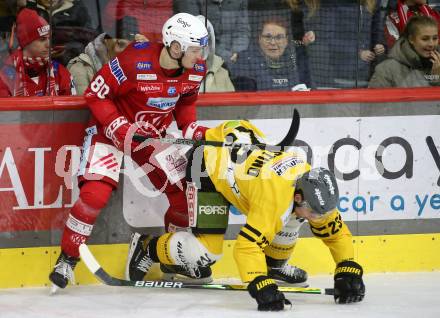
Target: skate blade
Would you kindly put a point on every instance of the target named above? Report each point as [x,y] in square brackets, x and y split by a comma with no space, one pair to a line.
[185,279]
[53,289]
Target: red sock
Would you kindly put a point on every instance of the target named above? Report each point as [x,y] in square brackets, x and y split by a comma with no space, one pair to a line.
[93,196]
[177,214]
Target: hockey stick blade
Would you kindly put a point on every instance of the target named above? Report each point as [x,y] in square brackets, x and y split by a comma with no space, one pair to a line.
[96,269]
[286,142]
[293,131]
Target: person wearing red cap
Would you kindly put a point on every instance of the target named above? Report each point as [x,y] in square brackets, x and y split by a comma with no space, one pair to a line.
[28,71]
[398,17]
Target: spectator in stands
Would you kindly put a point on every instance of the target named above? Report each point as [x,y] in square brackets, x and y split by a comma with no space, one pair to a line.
[270,63]
[293,12]
[101,50]
[217,78]
[347,35]
[230,21]
[399,15]
[414,60]
[71,25]
[27,72]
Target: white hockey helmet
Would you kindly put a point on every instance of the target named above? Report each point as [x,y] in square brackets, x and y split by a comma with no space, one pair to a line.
[185,29]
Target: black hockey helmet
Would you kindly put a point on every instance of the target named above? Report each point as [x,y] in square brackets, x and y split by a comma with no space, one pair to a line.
[319,190]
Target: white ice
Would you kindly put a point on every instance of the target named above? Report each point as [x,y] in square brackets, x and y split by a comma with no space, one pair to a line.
[414,295]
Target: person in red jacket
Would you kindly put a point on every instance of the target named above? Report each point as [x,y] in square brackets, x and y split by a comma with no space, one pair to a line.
[139,92]
[28,71]
[397,18]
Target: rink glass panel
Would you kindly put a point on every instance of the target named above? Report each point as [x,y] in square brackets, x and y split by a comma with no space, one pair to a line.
[391,208]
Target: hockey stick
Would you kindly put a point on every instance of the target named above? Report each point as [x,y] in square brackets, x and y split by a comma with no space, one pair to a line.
[286,142]
[96,269]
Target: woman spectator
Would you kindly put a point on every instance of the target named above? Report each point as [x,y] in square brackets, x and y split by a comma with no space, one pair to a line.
[296,9]
[28,71]
[270,63]
[295,12]
[414,60]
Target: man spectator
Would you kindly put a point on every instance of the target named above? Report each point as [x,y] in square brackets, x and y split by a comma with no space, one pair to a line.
[28,71]
[71,26]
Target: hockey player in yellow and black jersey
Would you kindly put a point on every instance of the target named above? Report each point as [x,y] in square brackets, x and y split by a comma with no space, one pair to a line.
[276,191]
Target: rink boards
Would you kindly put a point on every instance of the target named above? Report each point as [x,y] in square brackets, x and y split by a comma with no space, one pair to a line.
[384,154]
[377,254]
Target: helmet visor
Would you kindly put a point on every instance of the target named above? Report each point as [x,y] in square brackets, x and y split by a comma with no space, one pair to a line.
[201,52]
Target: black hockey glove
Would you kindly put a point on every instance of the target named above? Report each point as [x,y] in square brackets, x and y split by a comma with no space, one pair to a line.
[349,286]
[267,295]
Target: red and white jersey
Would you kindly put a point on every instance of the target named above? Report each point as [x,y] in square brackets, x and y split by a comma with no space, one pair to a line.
[134,85]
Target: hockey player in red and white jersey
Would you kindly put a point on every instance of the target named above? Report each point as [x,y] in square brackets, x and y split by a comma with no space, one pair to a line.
[139,92]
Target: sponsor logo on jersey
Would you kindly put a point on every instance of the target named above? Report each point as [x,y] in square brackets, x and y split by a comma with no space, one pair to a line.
[149,87]
[195,78]
[149,120]
[141,45]
[172,81]
[117,71]
[187,87]
[262,159]
[146,77]
[199,67]
[162,102]
[144,66]
[281,166]
[171,91]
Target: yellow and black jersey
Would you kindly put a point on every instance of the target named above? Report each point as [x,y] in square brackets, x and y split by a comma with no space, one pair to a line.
[261,183]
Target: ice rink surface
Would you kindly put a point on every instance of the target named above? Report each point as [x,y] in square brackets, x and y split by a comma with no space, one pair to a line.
[415,295]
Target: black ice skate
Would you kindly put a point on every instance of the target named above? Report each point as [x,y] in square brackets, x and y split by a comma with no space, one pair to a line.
[193,275]
[139,261]
[289,274]
[63,271]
